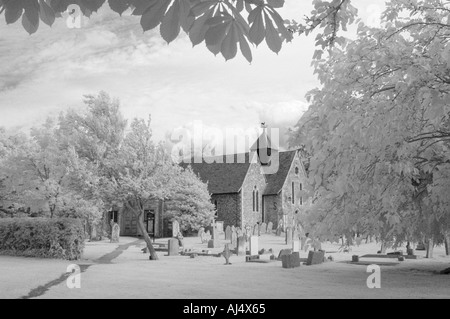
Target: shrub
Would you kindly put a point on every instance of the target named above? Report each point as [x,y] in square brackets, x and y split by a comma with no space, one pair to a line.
[61,238]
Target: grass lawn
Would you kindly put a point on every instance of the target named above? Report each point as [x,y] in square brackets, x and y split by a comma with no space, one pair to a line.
[123,271]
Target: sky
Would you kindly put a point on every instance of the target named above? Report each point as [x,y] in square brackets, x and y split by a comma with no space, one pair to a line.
[180,86]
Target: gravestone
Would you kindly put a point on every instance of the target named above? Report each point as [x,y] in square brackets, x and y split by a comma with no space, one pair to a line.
[269,228]
[240,249]
[115,233]
[289,236]
[279,230]
[295,259]
[254,245]
[219,226]
[227,254]
[239,232]
[175,228]
[214,232]
[315,257]
[228,233]
[296,245]
[173,247]
[255,230]
[295,235]
[233,229]
[263,228]
[212,243]
[290,260]
[233,240]
[284,252]
[303,241]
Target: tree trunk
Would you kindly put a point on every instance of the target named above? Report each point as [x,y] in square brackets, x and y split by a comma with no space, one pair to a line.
[447,244]
[148,240]
[383,247]
[430,245]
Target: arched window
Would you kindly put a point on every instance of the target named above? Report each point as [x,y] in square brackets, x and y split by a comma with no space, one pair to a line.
[254,200]
[257,201]
[296,170]
[301,186]
[301,200]
[293,193]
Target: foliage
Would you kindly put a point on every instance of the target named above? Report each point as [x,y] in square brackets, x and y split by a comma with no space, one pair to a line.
[379,130]
[222,24]
[42,237]
[191,203]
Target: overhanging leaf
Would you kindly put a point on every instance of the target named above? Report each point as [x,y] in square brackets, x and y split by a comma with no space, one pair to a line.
[13,11]
[256,33]
[30,18]
[119,6]
[154,14]
[170,25]
[46,13]
[273,39]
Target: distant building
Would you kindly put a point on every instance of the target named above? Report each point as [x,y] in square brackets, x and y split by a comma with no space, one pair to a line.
[244,195]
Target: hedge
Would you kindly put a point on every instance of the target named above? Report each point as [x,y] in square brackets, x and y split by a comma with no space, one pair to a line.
[61,238]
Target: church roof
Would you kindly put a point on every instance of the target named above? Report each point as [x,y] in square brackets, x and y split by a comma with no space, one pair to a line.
[222,178]
[227,177]
[275,181]
[263,142]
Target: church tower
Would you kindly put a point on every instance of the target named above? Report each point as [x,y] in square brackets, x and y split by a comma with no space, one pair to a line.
[263,147]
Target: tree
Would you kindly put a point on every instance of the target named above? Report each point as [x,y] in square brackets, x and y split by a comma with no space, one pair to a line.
[141,172]
[190,203]
[37,171]
[218,23]
[378,129]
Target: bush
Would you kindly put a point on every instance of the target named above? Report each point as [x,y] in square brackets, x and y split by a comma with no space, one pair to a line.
[61,238]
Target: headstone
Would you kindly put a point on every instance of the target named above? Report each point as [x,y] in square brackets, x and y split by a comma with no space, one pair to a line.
[115,234]
[214,232]
[295,259]
[233,228]
[303,242]
[263,228]
[219,226]
[295,235]
[173,247]
[315,257]
[233,240]
[255,230]
[239,232]
[175,228]
[240,249]
[201,231]
[269,228]
[288,236]
[355,258]
[284,252]
[278,232]
[254,245]
[296,245]
[227,254]
[291,260]
[228,233]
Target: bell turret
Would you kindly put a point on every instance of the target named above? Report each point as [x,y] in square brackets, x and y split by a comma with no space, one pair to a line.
[263,147]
